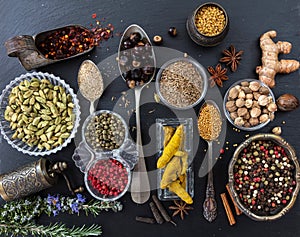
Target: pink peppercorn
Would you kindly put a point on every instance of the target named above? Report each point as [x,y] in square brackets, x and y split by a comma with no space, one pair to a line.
[108,177]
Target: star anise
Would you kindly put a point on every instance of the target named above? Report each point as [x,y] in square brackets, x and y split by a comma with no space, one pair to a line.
[218,75]
[180,208]
[232,57]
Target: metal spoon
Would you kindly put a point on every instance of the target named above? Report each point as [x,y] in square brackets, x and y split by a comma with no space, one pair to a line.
[90,82]
[210,205]
[140,187]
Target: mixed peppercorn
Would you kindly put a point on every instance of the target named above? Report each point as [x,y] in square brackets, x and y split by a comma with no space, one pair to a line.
[264,178]
[108,177]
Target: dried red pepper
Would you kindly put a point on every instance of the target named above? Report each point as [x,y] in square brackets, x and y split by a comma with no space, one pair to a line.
[69,41]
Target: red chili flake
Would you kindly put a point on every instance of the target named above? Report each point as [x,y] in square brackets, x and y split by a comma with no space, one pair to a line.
[94,15]
[66,42]
[222,151]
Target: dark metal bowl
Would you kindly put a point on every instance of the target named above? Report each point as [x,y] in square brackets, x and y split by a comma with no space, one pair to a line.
[202,39]
[291,155]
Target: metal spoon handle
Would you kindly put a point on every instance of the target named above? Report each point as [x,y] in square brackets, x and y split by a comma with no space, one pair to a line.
[210,205]
[92,107]
[140,188]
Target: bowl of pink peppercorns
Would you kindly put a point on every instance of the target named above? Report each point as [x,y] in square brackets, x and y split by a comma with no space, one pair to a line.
[264,177]
[107,178]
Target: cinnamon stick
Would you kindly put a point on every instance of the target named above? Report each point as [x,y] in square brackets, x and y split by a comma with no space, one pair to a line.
[237,209]
[227,209]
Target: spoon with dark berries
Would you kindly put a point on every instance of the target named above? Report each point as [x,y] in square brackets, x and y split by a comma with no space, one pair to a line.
[136,60]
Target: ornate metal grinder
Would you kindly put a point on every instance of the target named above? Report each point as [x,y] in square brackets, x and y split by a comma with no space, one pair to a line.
[32,178]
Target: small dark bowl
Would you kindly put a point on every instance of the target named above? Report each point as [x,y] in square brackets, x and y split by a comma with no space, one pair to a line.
[200,38]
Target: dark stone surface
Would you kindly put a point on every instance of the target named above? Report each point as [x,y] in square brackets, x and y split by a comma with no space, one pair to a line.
[248,19]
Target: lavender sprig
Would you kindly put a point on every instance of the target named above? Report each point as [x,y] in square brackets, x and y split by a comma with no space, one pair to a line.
[55,204]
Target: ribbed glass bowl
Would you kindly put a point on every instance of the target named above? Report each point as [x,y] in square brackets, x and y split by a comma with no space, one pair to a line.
[291,154]
[7,132]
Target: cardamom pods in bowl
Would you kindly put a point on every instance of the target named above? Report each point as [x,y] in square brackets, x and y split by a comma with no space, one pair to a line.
[39,114]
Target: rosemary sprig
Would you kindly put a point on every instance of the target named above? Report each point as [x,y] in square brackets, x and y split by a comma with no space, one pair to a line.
[95,207]
[18,217]
[52,230]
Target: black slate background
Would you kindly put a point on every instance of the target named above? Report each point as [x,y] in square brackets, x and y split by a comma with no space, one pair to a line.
[248,19]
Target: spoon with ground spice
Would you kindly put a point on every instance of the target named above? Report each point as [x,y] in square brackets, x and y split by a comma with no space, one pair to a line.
[209,127]
[90,82]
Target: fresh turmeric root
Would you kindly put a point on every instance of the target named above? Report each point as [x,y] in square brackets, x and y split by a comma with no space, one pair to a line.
[270,63]
[171,148]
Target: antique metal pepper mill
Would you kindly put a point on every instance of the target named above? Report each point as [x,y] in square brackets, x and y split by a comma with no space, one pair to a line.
[32,178]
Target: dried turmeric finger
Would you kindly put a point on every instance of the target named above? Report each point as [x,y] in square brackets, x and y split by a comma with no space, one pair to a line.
[182,180]
[184,161]
[176,188]
[172,172]
[171,148]
[182,142]
[168,133]
[175,168]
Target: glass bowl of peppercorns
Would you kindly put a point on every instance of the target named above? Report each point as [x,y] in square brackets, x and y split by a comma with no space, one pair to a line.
[104,131]
[264,177]
[108,177]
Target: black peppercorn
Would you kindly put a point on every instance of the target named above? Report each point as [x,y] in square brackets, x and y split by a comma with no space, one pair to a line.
[172,31]
[127,44]
[135,37]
